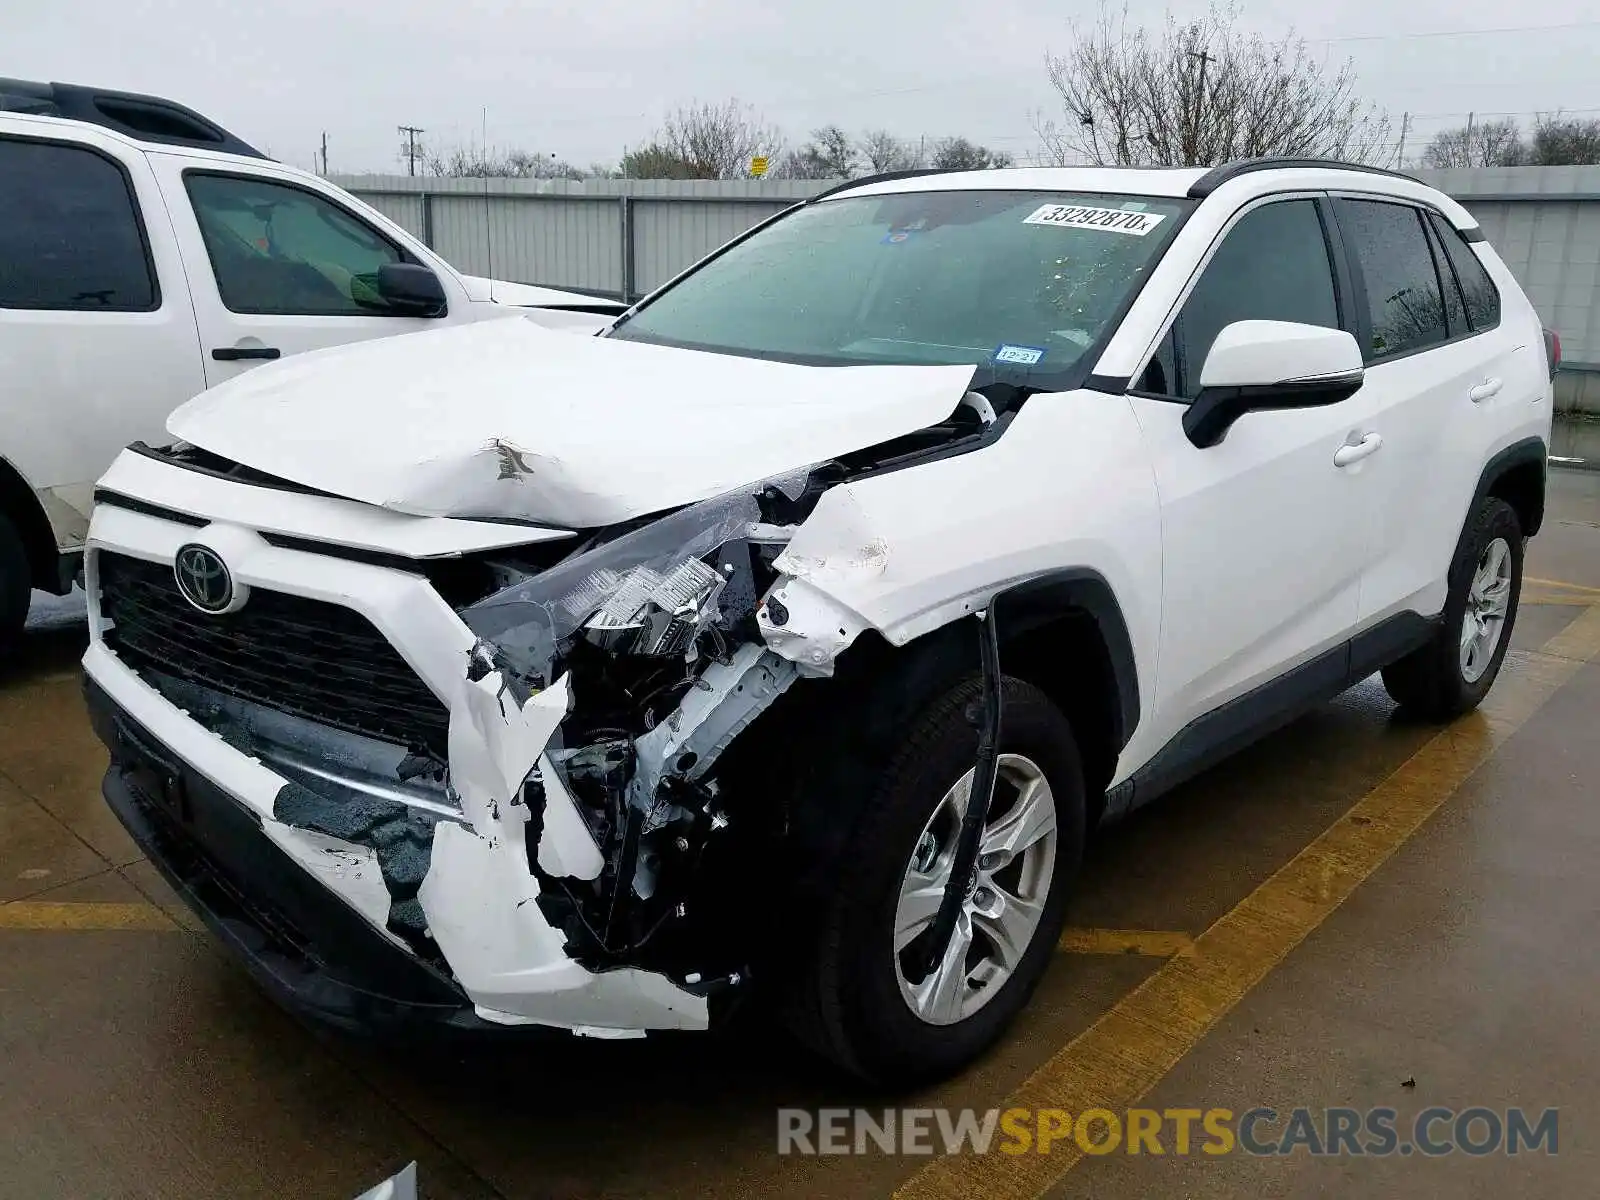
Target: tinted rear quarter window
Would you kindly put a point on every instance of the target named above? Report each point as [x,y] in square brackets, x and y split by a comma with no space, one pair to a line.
[1404,305]
[70,236]
[1482,297]
[1272,265]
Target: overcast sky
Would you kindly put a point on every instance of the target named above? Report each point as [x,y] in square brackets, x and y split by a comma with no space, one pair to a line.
[585,78]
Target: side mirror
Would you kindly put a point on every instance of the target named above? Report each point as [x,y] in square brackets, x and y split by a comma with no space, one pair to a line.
[411,289]
[1271,364]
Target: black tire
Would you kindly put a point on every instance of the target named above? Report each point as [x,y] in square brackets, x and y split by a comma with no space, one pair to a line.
[1430,682]
[16,585]
[846,1003]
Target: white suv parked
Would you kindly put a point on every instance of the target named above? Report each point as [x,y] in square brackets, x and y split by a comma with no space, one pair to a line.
[793,634]
[146,254]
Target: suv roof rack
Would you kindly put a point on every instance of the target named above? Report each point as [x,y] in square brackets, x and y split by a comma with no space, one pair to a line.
[144,118]
[1217,176]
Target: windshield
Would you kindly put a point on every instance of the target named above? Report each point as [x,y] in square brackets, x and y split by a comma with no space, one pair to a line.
[1021,283]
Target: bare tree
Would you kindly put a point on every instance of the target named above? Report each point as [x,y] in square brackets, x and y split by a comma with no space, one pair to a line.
[710,141]
[1201,92]
[656,160]
[829,154]
[1563,141]
[1481,144]
[475,163]
[886,152]
[957,153]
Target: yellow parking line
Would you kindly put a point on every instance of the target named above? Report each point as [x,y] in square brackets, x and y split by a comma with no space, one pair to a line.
[1126,1052]
[1149,942]
[1563,584]
[1547,598]
[30,914]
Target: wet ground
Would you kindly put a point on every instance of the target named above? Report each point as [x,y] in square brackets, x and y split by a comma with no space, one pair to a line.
[1355,913]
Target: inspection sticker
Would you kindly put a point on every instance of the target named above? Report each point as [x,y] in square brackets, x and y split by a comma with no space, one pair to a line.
[1026,355]
[1113,220]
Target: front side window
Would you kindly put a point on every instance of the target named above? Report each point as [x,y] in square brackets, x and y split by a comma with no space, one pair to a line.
[1273,265]
[278,249]
[1018,283]
[69,233]
[1404,304]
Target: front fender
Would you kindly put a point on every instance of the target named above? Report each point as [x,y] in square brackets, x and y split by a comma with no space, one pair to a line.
[1061,508]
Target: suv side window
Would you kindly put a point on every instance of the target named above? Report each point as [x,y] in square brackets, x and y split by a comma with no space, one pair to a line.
[277,249]
[70,236]
[1483,298]
[1273,265]
[1404,305]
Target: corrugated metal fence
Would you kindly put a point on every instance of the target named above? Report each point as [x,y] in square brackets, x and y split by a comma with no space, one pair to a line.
[625,237]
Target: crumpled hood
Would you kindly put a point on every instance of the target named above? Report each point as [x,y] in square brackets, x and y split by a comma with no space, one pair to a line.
[504,419]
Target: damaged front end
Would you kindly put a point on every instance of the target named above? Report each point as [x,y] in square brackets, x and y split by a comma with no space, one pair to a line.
[601,696]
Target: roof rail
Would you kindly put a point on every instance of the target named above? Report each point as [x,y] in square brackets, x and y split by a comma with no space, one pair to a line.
[1217,176]
[143,118]
[883,177]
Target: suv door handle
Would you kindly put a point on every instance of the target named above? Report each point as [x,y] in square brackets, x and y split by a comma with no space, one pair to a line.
[1484,390]
[236,353]
[1345,455]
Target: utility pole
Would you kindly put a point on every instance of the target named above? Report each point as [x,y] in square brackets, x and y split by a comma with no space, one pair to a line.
[1469,162]
[1400,150]
[1191,151]
[410,132]
[324,153]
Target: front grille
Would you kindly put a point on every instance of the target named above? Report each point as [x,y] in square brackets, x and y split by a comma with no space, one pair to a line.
[312,659]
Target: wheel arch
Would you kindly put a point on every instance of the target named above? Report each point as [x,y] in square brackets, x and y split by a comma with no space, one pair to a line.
[1517,476]
[22,507]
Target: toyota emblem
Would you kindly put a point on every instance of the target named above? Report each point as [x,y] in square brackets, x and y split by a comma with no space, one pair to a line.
[203,578]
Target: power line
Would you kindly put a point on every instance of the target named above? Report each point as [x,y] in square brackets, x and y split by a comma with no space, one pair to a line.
[1448,33]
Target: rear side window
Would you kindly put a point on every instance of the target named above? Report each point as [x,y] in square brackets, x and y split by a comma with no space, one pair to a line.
[70,236]
[1405,307]
[1455,309]
[280,250]
[1482,297]
[1272,266]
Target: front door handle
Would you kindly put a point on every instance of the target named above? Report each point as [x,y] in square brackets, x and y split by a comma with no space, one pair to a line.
[1345,455]
[1484,390]
[237,353]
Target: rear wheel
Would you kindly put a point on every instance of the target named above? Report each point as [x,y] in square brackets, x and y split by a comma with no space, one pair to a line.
[1455,670]
[16,586]
[865,999]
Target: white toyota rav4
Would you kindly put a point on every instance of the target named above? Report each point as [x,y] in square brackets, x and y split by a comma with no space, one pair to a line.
[789,637]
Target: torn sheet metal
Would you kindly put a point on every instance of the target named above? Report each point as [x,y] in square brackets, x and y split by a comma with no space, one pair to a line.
[727,697]
[601,430]
[803,624]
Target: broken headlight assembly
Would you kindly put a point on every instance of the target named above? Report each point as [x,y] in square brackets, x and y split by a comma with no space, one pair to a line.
[655,631]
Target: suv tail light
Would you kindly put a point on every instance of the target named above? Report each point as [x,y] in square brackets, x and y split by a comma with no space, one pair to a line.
[1552,350]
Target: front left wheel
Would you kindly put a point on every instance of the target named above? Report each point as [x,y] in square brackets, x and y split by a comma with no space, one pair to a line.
[869,1003]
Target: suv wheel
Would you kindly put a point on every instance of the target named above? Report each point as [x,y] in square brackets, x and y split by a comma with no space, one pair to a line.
[865,1001]
[16,586]
[1453,672]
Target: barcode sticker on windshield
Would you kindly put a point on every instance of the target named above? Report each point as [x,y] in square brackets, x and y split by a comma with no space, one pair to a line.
[1112,220]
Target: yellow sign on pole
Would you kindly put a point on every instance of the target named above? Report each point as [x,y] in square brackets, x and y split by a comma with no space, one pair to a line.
[758,165]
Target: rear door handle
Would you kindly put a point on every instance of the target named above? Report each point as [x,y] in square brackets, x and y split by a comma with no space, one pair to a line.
[1345,455]
[236,353]
[1484,390]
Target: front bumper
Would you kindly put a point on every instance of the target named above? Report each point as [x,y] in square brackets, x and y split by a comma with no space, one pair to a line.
[307,896]
[302,943]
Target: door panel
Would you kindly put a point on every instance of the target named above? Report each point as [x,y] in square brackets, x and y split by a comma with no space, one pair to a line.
[1264,538]
[1264,544]
[1433,388]
[97,338]
[278,268]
